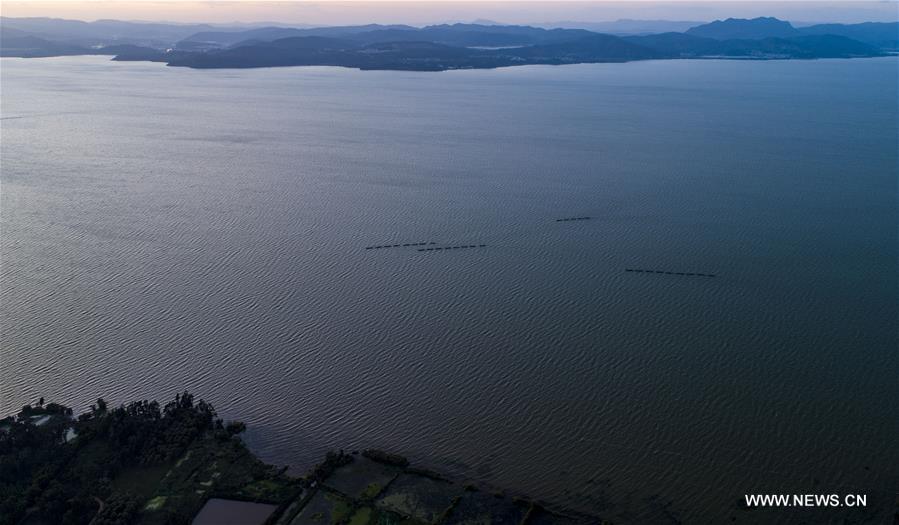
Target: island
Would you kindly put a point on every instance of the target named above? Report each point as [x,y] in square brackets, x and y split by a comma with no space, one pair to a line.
[179,463]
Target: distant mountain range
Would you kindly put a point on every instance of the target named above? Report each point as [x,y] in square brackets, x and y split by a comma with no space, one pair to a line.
[884,35]
[440,47]
[742,29]
[626,26]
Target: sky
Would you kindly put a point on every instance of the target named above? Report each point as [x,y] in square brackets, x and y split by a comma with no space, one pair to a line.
[332,12]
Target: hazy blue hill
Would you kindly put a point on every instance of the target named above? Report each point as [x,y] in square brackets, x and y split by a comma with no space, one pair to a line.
[228,38]
[678,44]
[420,49]
[811,46]
[445,36]
[343,31]
[423,56]
[464,35]
[749,29]
[833,46]
[306,50]
[436,47]
[521,35]
[307,43]
[102,31]
[470,35]
[594,48]
[385,35]
[16,43]
[244,43]
[881,34]
[9,32]
[51,37]
[626,26]
[413,55]
[433,56]
[440,36]
[805,46]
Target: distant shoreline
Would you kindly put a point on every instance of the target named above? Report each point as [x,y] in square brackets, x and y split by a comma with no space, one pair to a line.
[699,59]
[458,46]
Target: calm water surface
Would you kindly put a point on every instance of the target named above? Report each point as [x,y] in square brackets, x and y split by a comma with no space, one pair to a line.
[165,229]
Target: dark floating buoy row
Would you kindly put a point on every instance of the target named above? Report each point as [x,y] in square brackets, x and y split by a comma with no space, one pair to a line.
[399,245]
[573,219]
[452,247]
[671,273]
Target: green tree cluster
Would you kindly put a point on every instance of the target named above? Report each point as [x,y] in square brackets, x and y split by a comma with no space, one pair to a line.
[68,481]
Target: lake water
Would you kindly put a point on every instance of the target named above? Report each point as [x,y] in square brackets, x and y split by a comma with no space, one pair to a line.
[167,229]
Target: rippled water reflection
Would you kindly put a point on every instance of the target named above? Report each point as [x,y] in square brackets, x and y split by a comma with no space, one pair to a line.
[166,229]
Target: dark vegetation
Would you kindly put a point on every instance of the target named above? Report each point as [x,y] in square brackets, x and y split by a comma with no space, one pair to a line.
[442,47]
[385,457]
[136,463]
[333,460]
[147,464]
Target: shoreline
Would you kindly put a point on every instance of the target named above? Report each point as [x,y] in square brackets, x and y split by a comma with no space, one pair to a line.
[148,464]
